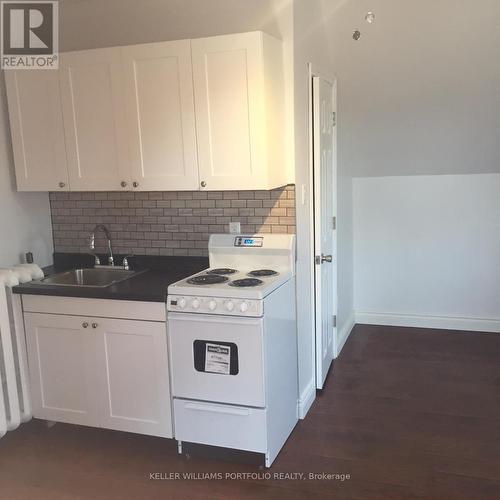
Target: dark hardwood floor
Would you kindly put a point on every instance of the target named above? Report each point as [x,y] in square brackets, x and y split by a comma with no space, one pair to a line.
[405,413]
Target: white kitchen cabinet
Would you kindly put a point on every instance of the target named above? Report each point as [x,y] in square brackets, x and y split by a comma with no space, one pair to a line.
[94,118]
[100,372]
[160,115]
[183,115]
[136,392]
[37,130]
[63,368]
[239,100]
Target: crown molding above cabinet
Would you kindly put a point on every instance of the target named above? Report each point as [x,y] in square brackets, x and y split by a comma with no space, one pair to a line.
[203,114]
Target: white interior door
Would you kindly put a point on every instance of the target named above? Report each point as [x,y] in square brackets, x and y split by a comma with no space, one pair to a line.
[324,225]
[161,124]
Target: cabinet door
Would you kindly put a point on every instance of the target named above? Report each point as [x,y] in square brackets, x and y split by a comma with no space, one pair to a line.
[230,120]
[37,130]
[94,118]
[160,114]
[63,368]
[135,385]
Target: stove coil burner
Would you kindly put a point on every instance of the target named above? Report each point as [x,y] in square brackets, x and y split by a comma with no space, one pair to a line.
[262,272]
[207,279]
[246,282]
[221,270]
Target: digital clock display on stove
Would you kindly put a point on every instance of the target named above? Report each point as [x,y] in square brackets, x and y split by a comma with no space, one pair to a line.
[244,241]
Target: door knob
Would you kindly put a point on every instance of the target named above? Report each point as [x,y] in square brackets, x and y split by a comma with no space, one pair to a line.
[319,259]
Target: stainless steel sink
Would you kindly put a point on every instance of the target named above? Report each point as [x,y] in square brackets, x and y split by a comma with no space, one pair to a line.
[94,277]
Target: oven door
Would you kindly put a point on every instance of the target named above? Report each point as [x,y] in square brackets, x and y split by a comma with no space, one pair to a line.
[217,358]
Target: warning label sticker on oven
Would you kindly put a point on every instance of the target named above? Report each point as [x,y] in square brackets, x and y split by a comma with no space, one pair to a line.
[217,358]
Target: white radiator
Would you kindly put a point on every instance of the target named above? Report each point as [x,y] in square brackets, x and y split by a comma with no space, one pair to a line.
[15,405]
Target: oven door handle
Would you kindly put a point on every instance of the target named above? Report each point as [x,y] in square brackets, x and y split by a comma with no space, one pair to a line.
[241,412]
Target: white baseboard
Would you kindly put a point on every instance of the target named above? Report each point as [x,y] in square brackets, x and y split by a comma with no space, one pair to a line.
[344,331]
[421,321]
[306,399]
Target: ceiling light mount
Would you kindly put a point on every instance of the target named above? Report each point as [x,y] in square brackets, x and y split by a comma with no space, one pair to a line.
[370,17]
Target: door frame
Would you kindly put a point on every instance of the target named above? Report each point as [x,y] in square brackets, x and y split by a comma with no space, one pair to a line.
[314,71]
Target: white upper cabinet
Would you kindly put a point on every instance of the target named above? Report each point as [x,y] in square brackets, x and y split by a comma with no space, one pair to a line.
[92,103]
[183,115]
[160,115]
[37,130]
[239,99]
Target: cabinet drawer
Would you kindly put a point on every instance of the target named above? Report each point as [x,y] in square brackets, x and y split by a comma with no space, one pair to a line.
[220,425]
[95,308]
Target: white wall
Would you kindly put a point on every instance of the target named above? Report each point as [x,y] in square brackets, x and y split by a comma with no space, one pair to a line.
[427,248]
[419,95]
[87,24]
[25,223]
[312,45]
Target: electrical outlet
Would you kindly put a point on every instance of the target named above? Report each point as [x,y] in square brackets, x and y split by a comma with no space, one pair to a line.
[235,227]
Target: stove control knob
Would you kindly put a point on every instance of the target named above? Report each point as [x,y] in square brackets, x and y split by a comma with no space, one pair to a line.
[244,307]
[212,305]
[181,303]
[229,305]
[195,304]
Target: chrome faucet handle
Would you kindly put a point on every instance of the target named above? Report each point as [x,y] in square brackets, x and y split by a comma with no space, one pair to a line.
[126,264]
[111,260]
[97,260]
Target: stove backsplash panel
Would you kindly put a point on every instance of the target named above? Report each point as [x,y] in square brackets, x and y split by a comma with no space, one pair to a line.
[166,223]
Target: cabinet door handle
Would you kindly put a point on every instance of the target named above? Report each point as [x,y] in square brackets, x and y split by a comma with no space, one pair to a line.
[123,184]
[62,184]
[203,184]
[94,325]
[135,184]
[85,324]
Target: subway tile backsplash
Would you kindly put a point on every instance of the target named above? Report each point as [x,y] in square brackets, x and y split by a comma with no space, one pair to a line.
[166,223]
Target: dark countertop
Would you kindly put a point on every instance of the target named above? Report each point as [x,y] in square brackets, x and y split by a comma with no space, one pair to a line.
[150,286]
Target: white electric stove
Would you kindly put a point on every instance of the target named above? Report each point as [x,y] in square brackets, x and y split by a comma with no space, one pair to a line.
[241,267]
[233,346]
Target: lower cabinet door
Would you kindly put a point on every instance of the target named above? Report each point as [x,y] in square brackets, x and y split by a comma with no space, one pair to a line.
[63,368]
[135,387]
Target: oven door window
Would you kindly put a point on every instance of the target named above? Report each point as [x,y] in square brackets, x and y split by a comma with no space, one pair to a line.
[212,356]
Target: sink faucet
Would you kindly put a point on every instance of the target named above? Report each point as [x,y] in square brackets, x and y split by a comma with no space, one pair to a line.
[102,227]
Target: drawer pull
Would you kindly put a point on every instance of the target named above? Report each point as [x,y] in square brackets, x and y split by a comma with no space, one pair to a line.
[241,412]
